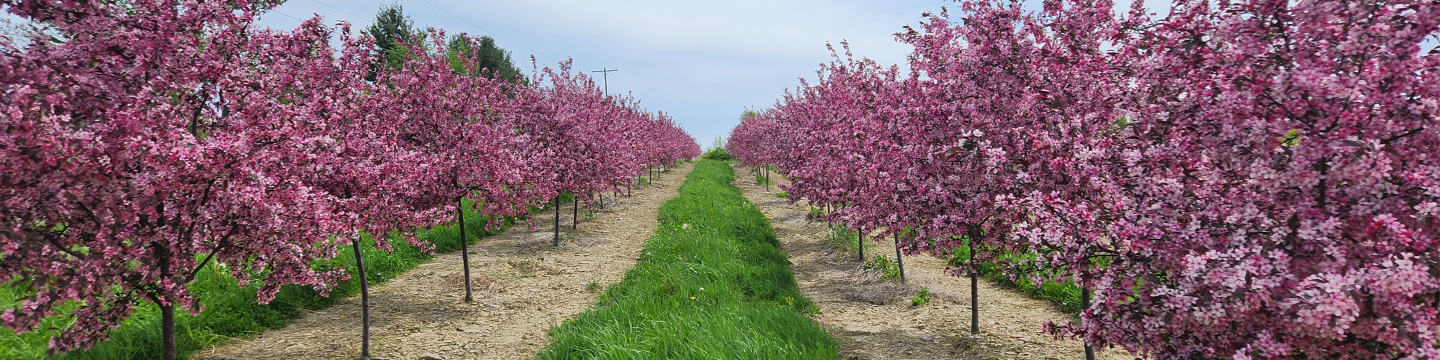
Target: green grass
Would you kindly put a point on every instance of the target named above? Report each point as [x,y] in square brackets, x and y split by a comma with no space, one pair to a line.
[1066,295]
[709,238]
[888,269]
[760,176]
[843,238]
[232,311]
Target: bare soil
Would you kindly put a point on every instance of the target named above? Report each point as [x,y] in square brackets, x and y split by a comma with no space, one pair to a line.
[873,318]
[523,286]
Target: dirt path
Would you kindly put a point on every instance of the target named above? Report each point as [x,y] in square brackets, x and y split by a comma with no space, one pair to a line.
[523,286]
[873,319]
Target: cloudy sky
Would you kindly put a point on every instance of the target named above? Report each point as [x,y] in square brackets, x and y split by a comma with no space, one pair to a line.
[703,62]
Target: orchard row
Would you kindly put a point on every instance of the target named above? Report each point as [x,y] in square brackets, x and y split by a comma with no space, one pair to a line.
[1240,179]
[142,140]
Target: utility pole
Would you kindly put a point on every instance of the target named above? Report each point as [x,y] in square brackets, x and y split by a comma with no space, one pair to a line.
[605,73]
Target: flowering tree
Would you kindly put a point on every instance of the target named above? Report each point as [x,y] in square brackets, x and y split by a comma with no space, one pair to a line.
[144,140]
[583,142]
[1244,179]
[137,144]
[1278,184]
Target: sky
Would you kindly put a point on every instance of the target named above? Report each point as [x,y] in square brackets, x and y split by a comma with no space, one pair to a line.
[702,62]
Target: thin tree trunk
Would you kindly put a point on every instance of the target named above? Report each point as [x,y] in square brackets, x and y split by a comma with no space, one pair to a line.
[464,247]
[899,261]
[167,330]
[974,290]
[860,243]
[557,219]
[167,312]
[575,219]
[767,178]
[364,302]
[1084,305]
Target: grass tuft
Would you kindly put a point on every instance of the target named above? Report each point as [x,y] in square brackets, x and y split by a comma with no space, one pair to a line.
[921,298]
[887,268]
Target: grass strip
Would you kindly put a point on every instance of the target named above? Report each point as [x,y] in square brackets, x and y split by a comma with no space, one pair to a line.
[711,283]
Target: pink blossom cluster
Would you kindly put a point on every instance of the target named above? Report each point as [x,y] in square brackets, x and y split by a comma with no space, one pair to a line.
[1239,179]
[140,140]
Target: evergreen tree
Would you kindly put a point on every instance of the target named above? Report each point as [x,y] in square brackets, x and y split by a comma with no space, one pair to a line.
[392,27]
[493,61]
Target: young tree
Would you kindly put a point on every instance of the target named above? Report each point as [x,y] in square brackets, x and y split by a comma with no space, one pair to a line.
[1246,179]
[153,138]
[1271,188]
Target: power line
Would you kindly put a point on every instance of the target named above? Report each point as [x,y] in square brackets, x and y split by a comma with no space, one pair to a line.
[502,38]
[357,17]
[288,15]
[629,89]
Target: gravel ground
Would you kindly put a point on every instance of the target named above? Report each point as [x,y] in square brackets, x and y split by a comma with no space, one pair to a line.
[523,287]
[872,318]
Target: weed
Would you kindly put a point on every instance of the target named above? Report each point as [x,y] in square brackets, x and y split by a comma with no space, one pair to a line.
[887,268]
[921,298]
[841,238]
[593,287]
[816,214]
[1066,294]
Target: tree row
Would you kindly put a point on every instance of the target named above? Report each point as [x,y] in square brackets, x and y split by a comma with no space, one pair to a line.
[141,140]
[1243,179]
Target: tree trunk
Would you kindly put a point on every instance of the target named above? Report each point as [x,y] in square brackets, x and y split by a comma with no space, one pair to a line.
[364,302]
[167,330]
[974,290]
[899,262]
[767,178]
[557,220]
[575,219]
[1084,305]
[464,247]
[860,243]
[167,311]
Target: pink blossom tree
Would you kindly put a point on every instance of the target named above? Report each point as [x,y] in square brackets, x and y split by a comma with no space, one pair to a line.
[1271,190]
[140,142]
[1244,179]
